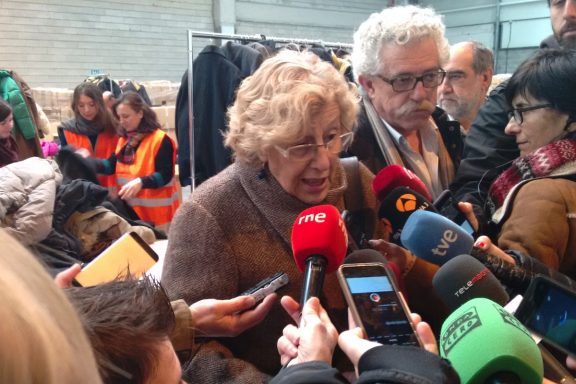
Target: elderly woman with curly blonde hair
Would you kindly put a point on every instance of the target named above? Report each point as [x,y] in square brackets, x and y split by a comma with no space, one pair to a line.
[288,125]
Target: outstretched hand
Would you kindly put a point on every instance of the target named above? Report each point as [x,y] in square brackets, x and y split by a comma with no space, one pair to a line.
[484,243]
[130,189]
[229,317]
[394,253]
[315,338]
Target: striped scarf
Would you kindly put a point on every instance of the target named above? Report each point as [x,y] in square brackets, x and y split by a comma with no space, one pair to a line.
[539,163]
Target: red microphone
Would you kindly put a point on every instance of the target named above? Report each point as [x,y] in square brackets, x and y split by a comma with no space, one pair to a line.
[394,176]
[319,244]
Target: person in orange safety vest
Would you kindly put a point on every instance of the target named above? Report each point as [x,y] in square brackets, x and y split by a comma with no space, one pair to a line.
[92,130]
[143,162]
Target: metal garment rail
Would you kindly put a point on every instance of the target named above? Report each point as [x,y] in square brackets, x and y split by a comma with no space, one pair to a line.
[221,36]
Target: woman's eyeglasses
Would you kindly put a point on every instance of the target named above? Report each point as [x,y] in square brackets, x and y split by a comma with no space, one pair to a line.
[306,152]
[516,113]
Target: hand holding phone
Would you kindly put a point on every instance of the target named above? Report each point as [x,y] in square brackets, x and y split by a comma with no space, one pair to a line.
[376,304]
[267,286]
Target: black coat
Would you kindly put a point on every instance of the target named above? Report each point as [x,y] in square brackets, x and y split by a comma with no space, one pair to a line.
[217,73]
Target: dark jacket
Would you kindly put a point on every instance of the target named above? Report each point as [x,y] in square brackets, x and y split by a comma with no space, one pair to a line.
[487,149]
[366,148]
[388,364]
[217,73]
[487,152]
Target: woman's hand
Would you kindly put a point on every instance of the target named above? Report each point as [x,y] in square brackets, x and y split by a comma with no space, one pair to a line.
[468,211]
[130,189]
[402,257]
[229,317]
[315,338]
[484,243]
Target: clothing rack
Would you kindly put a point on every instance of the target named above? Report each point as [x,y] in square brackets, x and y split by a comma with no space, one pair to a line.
[222,36]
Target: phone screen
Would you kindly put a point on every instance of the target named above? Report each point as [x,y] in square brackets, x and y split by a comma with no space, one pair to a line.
[378,305]
[550,311]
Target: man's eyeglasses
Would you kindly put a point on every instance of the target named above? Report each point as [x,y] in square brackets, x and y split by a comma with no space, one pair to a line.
[404,83]
[516,113]
[306,152]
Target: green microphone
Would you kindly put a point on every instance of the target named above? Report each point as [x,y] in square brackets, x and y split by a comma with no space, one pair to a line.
[487,345]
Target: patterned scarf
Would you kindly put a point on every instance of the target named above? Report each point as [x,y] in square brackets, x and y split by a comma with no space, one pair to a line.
[539,163]
[127,154]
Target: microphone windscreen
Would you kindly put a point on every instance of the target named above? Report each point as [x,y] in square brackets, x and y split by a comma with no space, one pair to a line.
[319,230]
[397,207]
[486,344]
[394,176]
[434,238]
[464,278]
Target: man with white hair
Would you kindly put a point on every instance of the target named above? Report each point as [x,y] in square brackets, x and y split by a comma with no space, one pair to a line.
[468,77]
[397,58]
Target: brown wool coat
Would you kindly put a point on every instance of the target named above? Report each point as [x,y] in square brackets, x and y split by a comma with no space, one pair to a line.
[233,232]
[542,223]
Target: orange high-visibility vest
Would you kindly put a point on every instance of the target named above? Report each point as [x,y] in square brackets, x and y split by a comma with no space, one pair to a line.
[157,205]
[105,147]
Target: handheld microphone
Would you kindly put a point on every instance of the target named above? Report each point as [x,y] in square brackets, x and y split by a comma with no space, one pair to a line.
[434,238]
[486,344]
[373,256]
[397,207]
[443,240]
[464,278]
[319,245]
[394,176]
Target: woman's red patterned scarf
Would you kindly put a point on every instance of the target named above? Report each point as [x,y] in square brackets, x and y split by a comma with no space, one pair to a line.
[540,163]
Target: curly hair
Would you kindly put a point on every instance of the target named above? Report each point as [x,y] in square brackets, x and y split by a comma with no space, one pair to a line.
[277,104]
[398,25]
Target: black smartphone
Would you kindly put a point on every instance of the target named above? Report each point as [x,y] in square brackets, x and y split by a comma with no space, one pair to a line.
[549,310]
[267,286]
[376,304]
[446,197]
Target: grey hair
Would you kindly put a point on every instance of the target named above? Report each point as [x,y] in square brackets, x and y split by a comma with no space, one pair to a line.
[399,25]
[482,58]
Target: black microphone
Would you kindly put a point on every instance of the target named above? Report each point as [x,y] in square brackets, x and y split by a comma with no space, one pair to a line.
[464,278]
[397,207]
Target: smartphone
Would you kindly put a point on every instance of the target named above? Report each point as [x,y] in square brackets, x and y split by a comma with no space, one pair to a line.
[376,304]
[549,310]
[267,286]
[444,198]
[129,253]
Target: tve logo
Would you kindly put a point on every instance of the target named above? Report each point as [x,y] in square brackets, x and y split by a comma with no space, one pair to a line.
[448,238]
